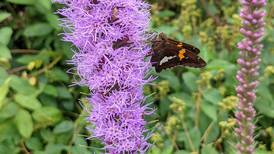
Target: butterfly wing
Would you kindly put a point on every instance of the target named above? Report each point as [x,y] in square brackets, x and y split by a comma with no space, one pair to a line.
[191,48]
[169,53]
[161,49]
[190,60]
[170,63]
[180,45]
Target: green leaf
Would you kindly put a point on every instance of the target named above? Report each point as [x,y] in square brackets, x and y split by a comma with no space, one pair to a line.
[9,110]
[220,64]
[22,2]
[155,150]
[64,126]
[261,151]
[166,13]
[64,138]
[43,56]
[26,59]
[213,133]
[207,54]
[53,21]
[4,89]
[48,100]
[4,53]
[79,149]
[34,143]
[57,74]
[209,149]
[5,35]
[47,135]
[38,29]
[190,80]
[22,86]
[43,6]
[264,102]
[27,101]
[80,141]
[184,96]
[24,123]
[168,150]
[264,92]
[80,146]
[164,107]
[195,136]
[4,15]
[3,75]
[8,131]
[213,96]
[47,115]
[265,107]
[172,79]
[50,90]
[52,148]
[212,9]
[9,148]
[68,104]
[210,110]
[166,29]
[63,93]
[181,152]
[45,3]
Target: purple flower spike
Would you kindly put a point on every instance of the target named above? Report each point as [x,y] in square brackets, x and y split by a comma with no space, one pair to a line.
[110,37]
[252,15]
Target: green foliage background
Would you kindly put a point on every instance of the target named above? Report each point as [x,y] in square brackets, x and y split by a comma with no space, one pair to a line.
[40,112]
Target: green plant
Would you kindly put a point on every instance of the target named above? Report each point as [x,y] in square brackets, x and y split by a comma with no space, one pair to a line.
[40,112]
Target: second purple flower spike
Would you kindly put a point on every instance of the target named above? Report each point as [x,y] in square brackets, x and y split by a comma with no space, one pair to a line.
[249,60]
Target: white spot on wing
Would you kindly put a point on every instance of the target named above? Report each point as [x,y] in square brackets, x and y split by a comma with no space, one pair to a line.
[166,59]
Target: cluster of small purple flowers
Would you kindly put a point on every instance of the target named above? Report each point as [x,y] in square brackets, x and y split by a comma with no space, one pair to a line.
[110,38]
[252,15]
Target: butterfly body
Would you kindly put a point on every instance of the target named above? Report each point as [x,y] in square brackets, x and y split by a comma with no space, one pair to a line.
[169,53]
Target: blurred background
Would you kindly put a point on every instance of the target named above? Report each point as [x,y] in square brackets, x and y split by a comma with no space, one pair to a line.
[41,113]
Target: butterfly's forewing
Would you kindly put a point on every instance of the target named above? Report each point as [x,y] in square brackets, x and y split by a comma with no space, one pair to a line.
[192,60]
[161,48]
[172,42]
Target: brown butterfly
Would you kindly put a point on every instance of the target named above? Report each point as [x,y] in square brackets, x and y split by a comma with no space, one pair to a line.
[169,53]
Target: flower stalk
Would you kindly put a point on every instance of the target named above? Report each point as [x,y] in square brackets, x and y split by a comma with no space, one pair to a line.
[250,47]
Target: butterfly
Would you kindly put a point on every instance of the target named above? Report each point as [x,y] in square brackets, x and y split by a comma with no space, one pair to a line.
[168,53]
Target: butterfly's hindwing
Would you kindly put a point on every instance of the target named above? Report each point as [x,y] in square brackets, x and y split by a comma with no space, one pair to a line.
[166,59]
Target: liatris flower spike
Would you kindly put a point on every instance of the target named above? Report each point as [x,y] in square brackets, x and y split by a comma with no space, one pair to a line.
[249,60]
[110,37]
